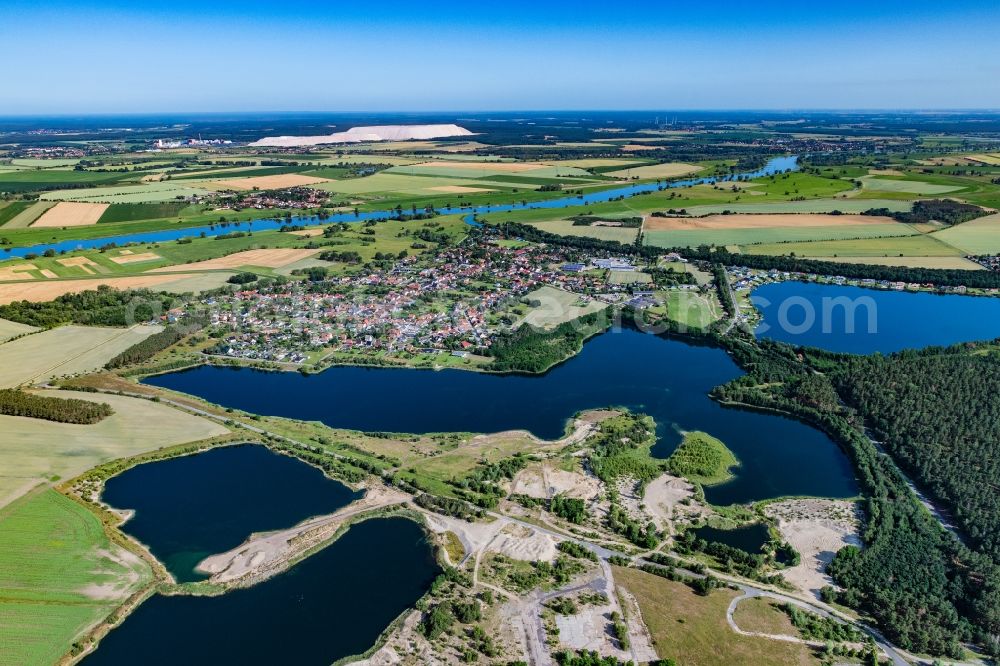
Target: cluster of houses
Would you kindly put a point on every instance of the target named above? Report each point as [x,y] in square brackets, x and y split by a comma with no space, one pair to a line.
[450,302]
[290,197]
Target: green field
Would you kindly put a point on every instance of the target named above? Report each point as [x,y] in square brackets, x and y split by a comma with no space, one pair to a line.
[908,186]
[557,306]
[692,309]
[10,209]
[924,245]
[25,215]
[146,193]
[121,212]
[980,236]
[60,575]
[36,451]
[809,206]
[773,236]
[567,228]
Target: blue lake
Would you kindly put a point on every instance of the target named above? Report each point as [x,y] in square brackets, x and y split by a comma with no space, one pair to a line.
[665,378]
[776,165]
[863,321]
[191,507]
[333,604]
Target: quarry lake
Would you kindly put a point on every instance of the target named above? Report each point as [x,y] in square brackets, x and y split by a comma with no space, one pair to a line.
[863,321]
[191,507]
[663,377]
[333,604]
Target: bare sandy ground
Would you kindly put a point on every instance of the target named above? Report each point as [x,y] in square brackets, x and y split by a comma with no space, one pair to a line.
[546,481]
[267,182]
[19,272]
[760,221]
[664,498]
[267,554]
[134,258]
[523,543]
[71,214]
[817,529]
[45,291]
[267,258]
[83,263]
[369,133]
[459,189]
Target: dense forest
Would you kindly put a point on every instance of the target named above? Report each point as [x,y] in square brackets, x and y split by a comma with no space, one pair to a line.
[940,419]
[62,410]
[927,590]
[103,307]
[529,349]
[940,210]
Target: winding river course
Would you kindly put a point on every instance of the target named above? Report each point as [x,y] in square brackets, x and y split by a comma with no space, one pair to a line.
[333,604]
[776,165]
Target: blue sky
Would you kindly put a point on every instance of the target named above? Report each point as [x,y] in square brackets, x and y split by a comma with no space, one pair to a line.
[288,55]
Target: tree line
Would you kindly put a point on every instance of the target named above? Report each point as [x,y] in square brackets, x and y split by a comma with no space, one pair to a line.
[14,402]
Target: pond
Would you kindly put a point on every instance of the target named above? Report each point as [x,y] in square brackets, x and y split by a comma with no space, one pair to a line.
[331,605]
[858,320]
[194,506]
[663,377]
[749,538]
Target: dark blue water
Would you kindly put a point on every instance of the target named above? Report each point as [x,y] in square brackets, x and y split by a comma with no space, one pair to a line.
[863,321]
[665,378]
[776,165]
[191,507]
[749,538]
[331,605]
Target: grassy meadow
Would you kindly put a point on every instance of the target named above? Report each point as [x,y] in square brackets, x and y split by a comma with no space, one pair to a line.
[60,575]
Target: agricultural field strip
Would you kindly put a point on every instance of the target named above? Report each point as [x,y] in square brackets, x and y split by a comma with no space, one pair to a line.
[64,350]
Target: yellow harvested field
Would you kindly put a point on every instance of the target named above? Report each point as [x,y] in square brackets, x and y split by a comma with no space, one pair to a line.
[636,148]
[48,274]
[760,221]
[19,272]
[83,263]
[12,329]
[667,170]
[506,167]
[266,182]
[988,159]
[40,292]
[71,214]
[307,233]
[266,258]
[36,451]
[67,350]
[134,258]
[458,189]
